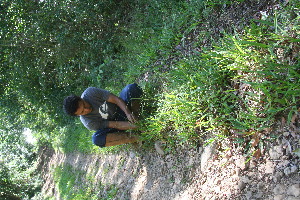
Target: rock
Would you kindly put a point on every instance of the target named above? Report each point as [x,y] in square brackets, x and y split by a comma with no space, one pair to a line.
[238,171]
[158,147]
[276,152]
[217,189]
[292,198]
[290,170]
[131,154]
[286,134]
[277,176]
[294,190]
[279,189]
[259,195]
[248,195]
[270,168]
[260,186]
[241,185]
[200,150]
[240,162]
[283,164]
[252,164]
[287,171]
[297,152]
[206,155]
[294,169]
[245,179]
[279,197]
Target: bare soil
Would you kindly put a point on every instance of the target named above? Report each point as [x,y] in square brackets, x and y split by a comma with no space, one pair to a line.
[217,171]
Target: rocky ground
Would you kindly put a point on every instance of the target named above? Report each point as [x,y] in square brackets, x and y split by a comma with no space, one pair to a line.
[268,170]
[216,171]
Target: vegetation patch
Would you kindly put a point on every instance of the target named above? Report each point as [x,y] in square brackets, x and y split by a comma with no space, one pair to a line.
[76,184]
[203,82]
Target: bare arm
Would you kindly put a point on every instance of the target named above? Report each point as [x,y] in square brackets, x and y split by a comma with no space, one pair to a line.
[119,102]
[121,125]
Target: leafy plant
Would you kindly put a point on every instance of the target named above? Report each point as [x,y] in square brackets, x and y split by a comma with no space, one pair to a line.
[76,184]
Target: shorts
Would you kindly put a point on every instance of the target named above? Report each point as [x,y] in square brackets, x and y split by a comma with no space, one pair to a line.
[129,93]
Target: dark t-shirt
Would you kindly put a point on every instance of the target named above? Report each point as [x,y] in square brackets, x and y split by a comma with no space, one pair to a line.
[102,111]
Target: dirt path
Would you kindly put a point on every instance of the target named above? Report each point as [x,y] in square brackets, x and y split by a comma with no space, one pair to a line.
[218,171]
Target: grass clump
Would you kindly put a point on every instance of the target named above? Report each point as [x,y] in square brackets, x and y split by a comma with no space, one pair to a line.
[235,85]
[238,87]
[78,185]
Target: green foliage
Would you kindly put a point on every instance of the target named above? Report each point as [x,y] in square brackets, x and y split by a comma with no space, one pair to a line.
[17,163]
[50,49]
[87,43]
[73,138]
[78,185]
[239,86]
[54,48]
[153,30]
[220,2]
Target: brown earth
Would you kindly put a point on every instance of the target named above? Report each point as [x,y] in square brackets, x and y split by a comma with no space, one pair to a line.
[218,171]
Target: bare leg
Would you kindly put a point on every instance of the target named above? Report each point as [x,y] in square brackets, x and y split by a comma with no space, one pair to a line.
[136,108]
[113,139]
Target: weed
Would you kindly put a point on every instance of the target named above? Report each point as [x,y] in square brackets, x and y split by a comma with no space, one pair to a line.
[240,85]
[237,87]
[76,184]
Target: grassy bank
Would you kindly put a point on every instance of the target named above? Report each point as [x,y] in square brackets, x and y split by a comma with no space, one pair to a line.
[219,87]
[199,88]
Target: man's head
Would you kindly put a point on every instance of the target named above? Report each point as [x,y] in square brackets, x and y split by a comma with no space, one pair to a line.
[71,104]
[75,106]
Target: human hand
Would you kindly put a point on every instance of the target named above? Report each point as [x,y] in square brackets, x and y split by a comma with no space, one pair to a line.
[131,118]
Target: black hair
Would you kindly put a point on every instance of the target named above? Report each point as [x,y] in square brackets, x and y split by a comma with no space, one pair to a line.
[71,104]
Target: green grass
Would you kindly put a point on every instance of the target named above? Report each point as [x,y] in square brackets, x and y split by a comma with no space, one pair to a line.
[237,87]
[240,86]
[75,184]
[234,89]
[77,138]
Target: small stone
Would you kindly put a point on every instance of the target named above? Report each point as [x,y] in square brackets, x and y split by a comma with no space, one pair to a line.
[206,156]
[294,190]
[279,197]
[238,171]
[297,151]
[276,152]
[294,169]
[240,162]
[283,164]
[245,179]
[200,150]
[158,147]
[260,186]
[248,195]
[259,195]
[241,185]
[217,189]
[277,176]
[131,154]
[286,134]
[269,167]
[279,189]
[292,198]
[252,164]
[287,171]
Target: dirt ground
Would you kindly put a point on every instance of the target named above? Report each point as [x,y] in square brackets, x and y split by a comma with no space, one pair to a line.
[216,171]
